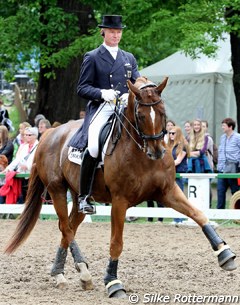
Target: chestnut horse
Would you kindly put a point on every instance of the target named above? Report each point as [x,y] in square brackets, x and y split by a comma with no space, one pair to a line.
[140,167]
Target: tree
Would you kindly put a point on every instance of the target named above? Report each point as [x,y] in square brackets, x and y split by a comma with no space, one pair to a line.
[43,31]
[58,33]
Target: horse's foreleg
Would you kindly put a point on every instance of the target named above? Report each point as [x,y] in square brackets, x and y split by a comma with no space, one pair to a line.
[113,285]
[178,201]
[58,268]
[81,266]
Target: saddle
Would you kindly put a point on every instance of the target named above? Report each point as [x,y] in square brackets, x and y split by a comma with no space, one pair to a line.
[114,123]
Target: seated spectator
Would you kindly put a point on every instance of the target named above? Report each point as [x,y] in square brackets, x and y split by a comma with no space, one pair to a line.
[43,125]
[6,145]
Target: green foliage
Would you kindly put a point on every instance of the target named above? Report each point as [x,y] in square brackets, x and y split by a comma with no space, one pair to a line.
[45,32]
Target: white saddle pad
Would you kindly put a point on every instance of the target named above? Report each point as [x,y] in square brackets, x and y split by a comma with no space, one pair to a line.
[75,155]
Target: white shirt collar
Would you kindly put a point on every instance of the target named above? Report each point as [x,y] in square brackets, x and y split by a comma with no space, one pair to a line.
[113,50]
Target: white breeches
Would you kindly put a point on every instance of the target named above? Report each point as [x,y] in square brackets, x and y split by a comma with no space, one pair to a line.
[98,120]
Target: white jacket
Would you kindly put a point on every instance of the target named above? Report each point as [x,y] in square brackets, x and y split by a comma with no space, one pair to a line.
[23,157]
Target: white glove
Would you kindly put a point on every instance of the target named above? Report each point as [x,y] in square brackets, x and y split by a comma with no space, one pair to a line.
[109,95]
[124,99]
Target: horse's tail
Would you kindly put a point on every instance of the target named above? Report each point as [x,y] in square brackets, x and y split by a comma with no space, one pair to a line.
[30,213]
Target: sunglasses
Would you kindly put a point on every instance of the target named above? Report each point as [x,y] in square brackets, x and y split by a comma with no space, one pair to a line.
[172,133]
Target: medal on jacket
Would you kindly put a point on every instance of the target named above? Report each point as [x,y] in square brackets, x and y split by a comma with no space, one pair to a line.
[128,69]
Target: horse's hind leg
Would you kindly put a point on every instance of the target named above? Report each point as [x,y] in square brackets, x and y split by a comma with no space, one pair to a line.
[80,262]
[177,200]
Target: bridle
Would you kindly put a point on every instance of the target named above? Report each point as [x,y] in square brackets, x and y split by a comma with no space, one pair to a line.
[142,135]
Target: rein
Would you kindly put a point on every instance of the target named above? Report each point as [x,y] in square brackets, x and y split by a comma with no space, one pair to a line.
[143,136]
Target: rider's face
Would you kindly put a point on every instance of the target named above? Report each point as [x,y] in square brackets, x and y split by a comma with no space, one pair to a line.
[112,37]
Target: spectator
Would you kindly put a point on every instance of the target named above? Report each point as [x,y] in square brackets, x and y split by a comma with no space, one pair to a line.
[228,155]
[187,128]
[82,114]
[43,125]
[212,147]
[169,125]
[150,204]
[37,119]
[56,124]
[6,145]
[180,152]
[209,153]
[198,162]
[4,117]
[24,157]
[20,138]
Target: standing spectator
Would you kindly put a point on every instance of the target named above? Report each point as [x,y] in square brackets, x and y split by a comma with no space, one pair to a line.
[187,128]
[228,153]
[43,125]
[3,112]
[6,145]
[150,204]
[198,162]
[209,152]
[4,117]
[180,151]
[169,125]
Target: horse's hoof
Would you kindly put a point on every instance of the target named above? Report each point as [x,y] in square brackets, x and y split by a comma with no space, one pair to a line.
[115,289]
[226,259]
[87,285]
[119,294]
[230,265]
[61,282]
[85,276]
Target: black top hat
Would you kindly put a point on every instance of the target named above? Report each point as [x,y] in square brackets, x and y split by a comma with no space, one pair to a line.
[112,22]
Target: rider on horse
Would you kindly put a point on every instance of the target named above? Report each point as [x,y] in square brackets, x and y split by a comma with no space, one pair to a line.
[104,74]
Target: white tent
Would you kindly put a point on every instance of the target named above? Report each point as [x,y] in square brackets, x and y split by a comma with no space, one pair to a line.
[200,88]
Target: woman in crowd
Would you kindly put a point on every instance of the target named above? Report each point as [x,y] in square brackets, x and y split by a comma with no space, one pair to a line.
[180,152]
[198,144]
[6,145]
[20,138]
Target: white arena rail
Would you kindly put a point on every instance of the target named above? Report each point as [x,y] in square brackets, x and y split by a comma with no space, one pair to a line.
[198,194]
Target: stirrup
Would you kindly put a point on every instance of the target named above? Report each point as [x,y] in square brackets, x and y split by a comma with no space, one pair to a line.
[85,206]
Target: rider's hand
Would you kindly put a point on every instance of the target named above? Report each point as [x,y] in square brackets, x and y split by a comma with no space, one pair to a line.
[109,95]
[124,99]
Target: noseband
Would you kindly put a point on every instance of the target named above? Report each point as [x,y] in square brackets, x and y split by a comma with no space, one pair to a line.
[143,136]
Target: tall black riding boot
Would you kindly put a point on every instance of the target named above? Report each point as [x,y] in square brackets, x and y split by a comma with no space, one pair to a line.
[88,167]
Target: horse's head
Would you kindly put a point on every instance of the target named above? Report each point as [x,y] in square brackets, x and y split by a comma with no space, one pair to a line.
[149,115]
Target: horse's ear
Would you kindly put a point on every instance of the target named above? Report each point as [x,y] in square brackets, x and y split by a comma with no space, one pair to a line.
[162,85]
[134,89]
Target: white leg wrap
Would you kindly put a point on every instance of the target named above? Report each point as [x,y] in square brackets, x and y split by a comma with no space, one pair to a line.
[61,282]
[113,283]
[216,253]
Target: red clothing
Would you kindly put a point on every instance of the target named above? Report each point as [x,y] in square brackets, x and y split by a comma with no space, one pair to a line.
[12,188]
